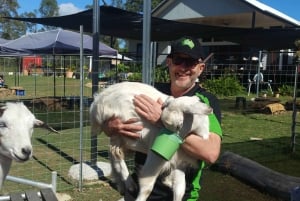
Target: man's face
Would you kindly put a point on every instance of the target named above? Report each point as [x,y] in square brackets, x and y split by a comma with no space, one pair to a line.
[184,70]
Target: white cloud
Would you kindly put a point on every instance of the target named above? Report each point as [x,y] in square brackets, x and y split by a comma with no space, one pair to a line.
[67,9]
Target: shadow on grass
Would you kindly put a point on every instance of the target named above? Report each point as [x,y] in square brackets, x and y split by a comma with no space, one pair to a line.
[67,157]
[263,149]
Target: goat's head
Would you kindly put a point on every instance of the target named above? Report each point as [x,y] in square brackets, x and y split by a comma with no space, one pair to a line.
[16,128]
[174,110]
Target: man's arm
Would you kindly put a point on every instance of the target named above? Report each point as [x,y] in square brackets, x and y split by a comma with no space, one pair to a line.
[207,150]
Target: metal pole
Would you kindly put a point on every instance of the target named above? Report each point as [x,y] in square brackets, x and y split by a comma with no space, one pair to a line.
[153,61]
[95,71]
[54,77]
[293,137]
[146,73]
[258,74]
[81,108]
[35,183]
[64,64]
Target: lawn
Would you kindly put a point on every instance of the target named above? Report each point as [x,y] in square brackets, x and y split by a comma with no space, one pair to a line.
[57,152]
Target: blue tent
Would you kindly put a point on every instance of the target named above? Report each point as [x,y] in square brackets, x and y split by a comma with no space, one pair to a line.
[2,41]
[4,51]
[55,42]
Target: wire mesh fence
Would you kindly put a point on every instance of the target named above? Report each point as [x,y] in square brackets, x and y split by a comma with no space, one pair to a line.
[55,99]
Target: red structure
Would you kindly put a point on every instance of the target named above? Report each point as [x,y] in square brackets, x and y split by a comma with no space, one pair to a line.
[31,61]
[32,65]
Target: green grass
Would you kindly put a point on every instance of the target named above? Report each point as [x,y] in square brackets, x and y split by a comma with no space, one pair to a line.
[57,152]
[41,86]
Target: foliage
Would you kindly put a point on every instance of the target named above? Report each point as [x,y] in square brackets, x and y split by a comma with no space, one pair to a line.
[135,77]
[31,27]
[123,68]
[48,8]
[131,5]
[286,90]
[224,86]
[297,44]
[161,74]
[10,29]
[71,68]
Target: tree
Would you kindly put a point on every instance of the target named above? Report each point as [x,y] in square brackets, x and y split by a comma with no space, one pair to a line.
[137,5]
[31,27]
[129,5]
[10,29]
[48,8]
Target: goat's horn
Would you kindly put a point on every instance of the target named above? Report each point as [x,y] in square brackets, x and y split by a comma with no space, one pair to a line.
[49,128]
[41,124]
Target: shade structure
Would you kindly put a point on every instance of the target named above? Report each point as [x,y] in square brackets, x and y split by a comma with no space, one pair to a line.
[55,42]
[4,51]
[129,25]
[2,41]
[117,57]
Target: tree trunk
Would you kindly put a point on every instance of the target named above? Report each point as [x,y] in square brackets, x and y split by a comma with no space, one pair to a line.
[276,184]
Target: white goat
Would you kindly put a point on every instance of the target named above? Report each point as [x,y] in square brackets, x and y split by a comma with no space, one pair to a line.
[16,127]
[182,115]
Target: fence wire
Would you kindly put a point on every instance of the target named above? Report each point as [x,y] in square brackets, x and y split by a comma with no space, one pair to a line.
[55,99]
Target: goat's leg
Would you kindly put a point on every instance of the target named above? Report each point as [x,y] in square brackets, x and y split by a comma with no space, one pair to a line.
[5,164]
[119,168]
[148,175]
[176,181]
[178,184]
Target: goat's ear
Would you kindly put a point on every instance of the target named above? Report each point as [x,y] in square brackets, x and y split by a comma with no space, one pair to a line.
[1,111]
[194,106]
[41,124]
[167,101]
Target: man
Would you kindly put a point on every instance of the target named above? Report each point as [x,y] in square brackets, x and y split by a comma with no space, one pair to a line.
[185,63]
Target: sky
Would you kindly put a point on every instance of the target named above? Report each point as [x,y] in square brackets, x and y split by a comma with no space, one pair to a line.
[65,6]
[288,7]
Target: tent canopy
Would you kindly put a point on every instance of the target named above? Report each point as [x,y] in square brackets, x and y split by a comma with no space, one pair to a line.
[129,25]
[4,51]
[57,42]
[2,41]
[118,57]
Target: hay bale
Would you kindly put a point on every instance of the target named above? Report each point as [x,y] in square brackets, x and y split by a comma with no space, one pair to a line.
[274,108]
[5,92]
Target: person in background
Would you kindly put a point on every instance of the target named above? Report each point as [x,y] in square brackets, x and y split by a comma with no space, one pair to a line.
[185,64]
[2,82]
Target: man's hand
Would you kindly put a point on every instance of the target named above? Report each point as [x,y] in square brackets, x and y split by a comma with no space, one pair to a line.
[148,108]
[129,128]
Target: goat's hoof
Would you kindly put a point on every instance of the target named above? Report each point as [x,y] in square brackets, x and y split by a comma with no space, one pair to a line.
[117,152]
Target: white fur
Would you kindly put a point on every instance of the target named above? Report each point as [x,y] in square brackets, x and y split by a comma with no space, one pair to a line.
[182,115]
[16,128]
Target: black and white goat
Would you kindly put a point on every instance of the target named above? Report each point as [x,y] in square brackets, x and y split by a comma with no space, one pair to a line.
[182,115]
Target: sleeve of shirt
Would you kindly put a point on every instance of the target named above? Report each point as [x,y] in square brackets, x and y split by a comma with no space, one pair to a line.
[215,117]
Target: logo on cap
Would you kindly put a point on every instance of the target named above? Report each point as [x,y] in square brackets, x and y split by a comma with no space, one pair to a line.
[188,42]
